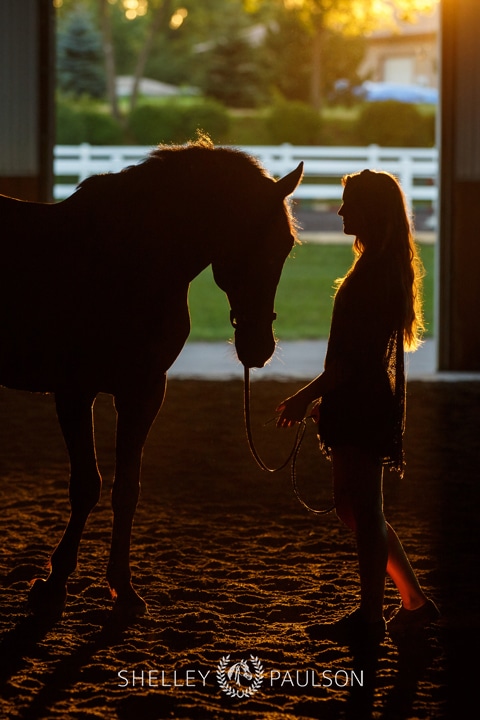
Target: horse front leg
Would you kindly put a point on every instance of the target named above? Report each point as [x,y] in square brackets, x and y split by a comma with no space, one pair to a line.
[136,412]
[75,415]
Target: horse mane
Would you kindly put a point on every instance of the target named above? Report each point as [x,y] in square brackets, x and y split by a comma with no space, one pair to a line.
[215,172]
[186,156]
[203,147]
[202,153]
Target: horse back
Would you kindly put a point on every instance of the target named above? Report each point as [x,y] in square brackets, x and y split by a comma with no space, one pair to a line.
[77,296]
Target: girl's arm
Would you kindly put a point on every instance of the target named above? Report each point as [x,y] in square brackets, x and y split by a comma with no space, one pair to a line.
[294,409]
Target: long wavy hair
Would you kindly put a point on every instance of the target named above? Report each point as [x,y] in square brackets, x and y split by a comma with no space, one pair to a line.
[387,230]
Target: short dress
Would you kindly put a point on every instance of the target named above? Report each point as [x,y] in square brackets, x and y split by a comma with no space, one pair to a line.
[365,351]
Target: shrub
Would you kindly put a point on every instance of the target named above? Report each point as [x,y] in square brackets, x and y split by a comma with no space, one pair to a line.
[338,132]
[101,129]
[84,121]
[152,123]
[395,124]
[247,128]
[176,121]
[70,128]
[208,115]
[293,122]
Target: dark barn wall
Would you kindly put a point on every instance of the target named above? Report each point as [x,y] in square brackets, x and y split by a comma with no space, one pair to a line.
[26,98]
[459,261]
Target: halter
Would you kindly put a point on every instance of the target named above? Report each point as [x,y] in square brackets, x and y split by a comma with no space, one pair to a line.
[292,457]
[238,319]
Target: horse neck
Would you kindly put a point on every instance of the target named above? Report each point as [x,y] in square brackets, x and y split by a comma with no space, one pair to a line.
[200,240]
[189,255]
[185,231]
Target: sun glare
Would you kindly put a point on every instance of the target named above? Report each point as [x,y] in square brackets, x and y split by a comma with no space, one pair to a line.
[382,10]
[178,17]
[135,8]
[291,4]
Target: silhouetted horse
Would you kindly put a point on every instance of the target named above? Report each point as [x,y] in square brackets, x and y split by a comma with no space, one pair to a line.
[93,298]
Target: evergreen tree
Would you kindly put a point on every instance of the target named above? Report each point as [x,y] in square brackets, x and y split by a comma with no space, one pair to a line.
[79,56]
[232,73]
[230,67]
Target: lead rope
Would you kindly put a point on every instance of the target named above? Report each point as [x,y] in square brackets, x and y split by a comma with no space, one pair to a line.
[292,457]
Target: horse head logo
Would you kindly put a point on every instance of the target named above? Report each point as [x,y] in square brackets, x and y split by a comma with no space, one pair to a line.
[238,671]
[241,679]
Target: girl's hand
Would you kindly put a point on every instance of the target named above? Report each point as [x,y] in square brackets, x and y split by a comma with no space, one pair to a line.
[293,410]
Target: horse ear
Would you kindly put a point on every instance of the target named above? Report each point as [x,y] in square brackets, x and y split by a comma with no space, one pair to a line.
[286,185]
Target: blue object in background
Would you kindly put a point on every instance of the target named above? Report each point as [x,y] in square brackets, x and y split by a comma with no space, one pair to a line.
[380,91]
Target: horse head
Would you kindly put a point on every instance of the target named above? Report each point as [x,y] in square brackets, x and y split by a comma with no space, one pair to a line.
[249,273]
[239,670]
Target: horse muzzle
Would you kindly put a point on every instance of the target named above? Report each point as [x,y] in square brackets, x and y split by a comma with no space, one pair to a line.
[254,339]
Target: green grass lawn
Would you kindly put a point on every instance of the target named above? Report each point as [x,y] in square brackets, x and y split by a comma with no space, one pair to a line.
[304,296]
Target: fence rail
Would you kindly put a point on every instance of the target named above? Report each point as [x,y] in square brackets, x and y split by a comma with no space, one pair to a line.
[416,168]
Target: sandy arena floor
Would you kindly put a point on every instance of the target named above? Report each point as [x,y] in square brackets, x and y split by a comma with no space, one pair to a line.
[233,568]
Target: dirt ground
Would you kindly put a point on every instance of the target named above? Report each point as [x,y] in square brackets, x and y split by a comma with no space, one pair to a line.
[233,568]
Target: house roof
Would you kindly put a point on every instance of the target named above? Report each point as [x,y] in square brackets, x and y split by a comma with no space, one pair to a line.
[151,88]
[425,24]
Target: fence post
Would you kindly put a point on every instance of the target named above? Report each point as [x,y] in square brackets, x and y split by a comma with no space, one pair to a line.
[373,155]
[406,178]
[83,161]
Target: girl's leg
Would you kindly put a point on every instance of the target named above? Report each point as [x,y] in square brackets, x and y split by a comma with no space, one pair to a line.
[416,611]
[402,574]
[359,503]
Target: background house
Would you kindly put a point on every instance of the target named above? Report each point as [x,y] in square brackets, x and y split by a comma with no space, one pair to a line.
[408,55]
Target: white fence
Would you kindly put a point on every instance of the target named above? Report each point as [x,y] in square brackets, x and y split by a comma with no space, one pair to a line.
[416,168]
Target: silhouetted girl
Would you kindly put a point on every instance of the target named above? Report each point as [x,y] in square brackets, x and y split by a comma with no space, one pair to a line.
[376,315]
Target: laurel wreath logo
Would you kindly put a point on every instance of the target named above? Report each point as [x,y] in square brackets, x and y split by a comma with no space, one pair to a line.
[232,687]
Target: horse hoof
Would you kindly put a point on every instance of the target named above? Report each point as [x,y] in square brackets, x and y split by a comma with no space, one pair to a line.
[129,605]
[46,599]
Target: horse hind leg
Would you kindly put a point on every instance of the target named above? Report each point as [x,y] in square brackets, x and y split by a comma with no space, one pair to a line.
[75,415]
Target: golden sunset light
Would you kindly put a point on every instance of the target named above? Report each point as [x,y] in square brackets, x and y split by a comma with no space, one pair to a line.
[178,17]
[271,203]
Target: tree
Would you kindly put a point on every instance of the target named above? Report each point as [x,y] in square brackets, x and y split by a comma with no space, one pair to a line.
[79,55]
[231,68]
[124,34]
[109,58]
[153,18]
[288,58]
[348,17]
[239,51]
[161,16]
